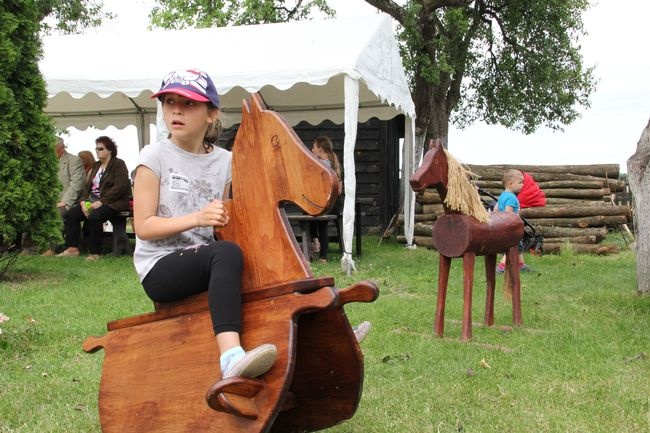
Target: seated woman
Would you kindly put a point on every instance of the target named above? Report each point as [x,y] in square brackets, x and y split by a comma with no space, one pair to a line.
[105,194]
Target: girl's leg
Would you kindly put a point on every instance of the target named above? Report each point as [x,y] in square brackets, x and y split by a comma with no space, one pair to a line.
[216,267]
[323,236]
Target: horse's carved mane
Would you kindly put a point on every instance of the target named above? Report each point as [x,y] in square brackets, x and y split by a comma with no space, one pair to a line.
[452,180]
[462,195]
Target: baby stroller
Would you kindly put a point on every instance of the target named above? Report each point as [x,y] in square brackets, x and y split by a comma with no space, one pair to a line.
[532,241]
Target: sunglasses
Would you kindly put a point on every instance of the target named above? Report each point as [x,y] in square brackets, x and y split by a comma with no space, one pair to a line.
[97,149]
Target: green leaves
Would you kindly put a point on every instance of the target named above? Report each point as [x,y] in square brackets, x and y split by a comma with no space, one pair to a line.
[70,16]
[28,171]
[179,14]
[511,62]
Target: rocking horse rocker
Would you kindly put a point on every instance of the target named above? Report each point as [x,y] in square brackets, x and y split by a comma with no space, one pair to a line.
[159,365]
[467,230]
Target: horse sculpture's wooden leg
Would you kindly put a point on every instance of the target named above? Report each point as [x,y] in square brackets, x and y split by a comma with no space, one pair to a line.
[512,263]
[468,281]
[490,277]
[443,279]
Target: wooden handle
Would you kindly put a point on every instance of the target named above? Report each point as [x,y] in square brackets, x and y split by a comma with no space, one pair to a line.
[236,396]
[93,344]
[364,291]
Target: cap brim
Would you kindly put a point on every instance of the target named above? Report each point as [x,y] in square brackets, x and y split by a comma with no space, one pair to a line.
[183,92]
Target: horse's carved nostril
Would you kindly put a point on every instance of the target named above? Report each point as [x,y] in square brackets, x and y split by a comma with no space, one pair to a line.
[275,141]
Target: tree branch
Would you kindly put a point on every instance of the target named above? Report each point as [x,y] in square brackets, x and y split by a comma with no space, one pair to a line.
[390,7]
[454,96]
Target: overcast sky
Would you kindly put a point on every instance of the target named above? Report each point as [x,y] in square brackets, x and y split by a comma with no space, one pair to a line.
[607,132]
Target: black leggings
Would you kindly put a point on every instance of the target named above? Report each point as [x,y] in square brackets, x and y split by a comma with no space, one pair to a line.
[215,267]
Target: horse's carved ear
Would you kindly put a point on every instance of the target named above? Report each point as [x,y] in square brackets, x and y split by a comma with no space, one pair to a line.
[245,110]
[257,103]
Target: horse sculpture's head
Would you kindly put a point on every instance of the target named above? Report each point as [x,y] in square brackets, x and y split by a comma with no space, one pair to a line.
[271,166]
[283,168]
[433,170]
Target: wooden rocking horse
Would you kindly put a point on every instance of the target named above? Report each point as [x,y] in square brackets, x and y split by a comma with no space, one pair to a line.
[158,366]
[457,234]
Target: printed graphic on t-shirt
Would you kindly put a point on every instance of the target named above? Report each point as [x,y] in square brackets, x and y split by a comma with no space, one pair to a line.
[179,183]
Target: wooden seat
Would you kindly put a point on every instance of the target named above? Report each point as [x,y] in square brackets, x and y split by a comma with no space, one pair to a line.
[159,365]
[120,239]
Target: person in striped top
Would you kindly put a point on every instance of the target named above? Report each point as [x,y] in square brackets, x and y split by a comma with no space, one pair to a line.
[324,150]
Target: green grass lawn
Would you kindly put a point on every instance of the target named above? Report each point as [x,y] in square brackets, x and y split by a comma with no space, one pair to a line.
[580,363]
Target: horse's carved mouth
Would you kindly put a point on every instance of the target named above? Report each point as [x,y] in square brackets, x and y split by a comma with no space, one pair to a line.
[311,202]
[417,185]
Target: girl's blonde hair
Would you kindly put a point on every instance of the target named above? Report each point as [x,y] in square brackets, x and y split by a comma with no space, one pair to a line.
[324,142]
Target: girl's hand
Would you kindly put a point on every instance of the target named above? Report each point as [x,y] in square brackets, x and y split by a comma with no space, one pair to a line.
[96,205]
[213,214]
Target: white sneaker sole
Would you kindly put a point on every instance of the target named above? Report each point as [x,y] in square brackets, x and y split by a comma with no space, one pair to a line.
[255,363]
[362,330]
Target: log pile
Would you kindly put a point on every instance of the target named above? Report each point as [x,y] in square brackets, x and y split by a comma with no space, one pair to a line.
[579,209]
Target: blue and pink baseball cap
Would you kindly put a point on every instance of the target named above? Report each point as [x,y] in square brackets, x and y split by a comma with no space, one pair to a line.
[190,83]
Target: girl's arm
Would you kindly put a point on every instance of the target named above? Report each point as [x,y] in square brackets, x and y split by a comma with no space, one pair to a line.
[148,226]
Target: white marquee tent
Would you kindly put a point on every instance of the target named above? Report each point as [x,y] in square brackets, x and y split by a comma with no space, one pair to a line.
[345,70]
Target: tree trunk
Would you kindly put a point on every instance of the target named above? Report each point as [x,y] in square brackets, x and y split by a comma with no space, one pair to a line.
[578,193]
[574,240]
[582,222]
[421,217]
[423,241]
[559,201]
[563,232]
[574,211]
[610,171]
[639,177]
[598,249]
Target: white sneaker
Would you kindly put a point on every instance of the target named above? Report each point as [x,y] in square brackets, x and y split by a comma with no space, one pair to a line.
[361,330]
[255,363]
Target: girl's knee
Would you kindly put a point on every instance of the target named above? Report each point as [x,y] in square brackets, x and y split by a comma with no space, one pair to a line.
[230,252]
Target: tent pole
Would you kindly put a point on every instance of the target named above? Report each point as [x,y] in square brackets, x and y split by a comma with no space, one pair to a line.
[351,89]
[408,153]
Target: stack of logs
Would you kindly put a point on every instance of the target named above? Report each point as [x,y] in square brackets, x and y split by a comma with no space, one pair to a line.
[579,205]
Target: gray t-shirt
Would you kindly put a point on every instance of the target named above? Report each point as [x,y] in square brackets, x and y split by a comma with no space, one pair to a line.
[188,182]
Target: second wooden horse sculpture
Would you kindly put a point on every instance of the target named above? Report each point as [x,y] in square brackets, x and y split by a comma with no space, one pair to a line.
[456,234]
[158,366]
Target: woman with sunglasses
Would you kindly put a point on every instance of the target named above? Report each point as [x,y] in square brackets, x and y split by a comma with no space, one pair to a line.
[106,193]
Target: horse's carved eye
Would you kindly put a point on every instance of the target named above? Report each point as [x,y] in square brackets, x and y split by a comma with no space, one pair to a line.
[275,141]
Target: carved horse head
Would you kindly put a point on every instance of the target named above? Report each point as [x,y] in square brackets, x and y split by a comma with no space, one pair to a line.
[434,168]
[452,181]
[433,172]
[271,166]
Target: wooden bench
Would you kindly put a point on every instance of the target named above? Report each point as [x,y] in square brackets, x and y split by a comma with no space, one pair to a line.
[305,232]
[120,238]
[304,221]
